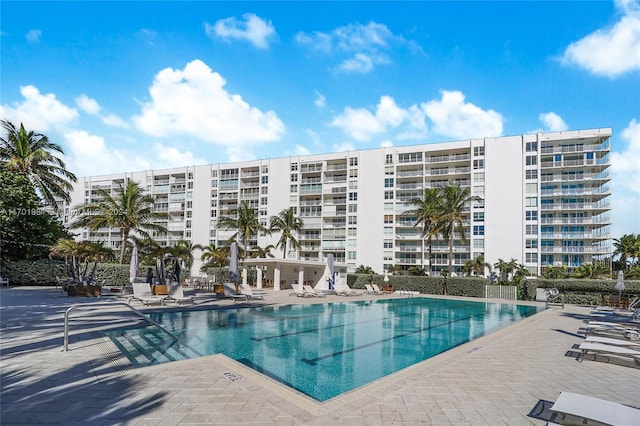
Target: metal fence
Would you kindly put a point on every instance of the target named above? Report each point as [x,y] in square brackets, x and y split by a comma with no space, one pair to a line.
[508,292]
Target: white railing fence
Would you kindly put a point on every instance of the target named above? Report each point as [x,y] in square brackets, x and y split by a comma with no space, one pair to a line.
[509,292]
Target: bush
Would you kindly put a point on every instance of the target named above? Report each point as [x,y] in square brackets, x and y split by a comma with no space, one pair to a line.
[456,286]
[43,272]
[579,291]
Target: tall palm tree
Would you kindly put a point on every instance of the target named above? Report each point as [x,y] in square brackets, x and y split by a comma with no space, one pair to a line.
[427,211]
[287,223]
[262,252]
[183,250]
[130,209]
[30,154]
[628,248]
[455,202]
[245,222]
[478,265]
[213,256]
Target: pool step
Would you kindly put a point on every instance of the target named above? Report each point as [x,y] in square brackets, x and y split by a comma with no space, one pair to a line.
[150,346]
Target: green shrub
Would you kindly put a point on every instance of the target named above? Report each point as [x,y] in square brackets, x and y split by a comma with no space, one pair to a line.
[579,291]
[456,286]
[43,272]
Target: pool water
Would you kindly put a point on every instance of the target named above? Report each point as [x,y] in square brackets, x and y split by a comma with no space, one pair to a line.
[322,350]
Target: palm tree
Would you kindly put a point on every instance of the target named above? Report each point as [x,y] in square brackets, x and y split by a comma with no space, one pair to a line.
[287,223]
[130,209]
[427,211]
[76,253]
[628,248]
[591,271]
[364,270]
[245,222]
[478,265]
[506,268]
[183,250]
[30,154]
[455,202]
[214,257]
[262,252]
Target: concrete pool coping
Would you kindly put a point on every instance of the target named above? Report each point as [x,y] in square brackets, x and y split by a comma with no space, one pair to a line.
[496,379]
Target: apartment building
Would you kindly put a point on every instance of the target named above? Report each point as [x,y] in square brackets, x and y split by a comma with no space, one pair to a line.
[546,201]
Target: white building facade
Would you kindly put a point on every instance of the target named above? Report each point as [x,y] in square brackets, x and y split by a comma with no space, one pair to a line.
[546,201]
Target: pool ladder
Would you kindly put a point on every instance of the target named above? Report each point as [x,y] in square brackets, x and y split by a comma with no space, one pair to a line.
[87,305]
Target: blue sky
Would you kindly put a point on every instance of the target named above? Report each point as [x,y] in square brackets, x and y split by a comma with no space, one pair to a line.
[126,86]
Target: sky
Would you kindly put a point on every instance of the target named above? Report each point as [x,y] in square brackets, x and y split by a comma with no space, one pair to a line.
[130,86]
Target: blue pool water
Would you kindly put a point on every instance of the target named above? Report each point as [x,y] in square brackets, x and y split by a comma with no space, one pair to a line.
[322,350]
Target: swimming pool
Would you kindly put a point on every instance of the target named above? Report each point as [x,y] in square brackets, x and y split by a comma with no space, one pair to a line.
[322,350]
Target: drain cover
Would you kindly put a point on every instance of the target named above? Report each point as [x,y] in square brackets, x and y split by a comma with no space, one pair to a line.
[231,376]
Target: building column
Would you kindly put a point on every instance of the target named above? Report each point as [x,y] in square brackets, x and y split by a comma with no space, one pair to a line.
[276,277]
[301,276]
[259,276]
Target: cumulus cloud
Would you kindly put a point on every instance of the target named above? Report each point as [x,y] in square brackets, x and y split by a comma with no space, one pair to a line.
[89,155]
[251,28]
[39,112]
[387,143]
[625,171]
[453,117]
[360,47]
[344,146]
[33,36]
[613,50]
[320,101]
[92,107]
[362,124]
[552,122]
[193,102]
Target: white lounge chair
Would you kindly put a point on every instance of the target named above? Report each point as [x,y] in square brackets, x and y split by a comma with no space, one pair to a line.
[371,290]
[175,293]
[633,344]
[342,289]
[580,409]
[376,288]
[298,290]
[247,291]
[309,291]
[593,348]
[142,293]
[230,291]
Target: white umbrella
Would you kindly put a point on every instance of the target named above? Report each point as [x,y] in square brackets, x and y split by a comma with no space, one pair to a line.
[386,277]
[620,283]
[133,266]
[330,272]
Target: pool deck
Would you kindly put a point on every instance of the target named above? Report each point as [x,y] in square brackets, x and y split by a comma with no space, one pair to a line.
[494,380]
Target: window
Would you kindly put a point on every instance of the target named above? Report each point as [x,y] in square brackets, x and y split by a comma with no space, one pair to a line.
[388,218]
[294,188]
[294,177]
[388,207]
[388,231]
[478,177]
[353,220]
[388,195]
[189,185]
[214,183]
[265,180]
[531,174]
[589,155]
[532,229]
[531,257]
[189,204]
[388,171]
[214,173]
[388,183]
[264,190]
[263,201]
[531,215]
[353,173]
[353,196]
[294,167]
[388,159]
[478,243]
[189,214]
[265,169]
[478,191]
[478,151]
[478,230]
[531,201]
[353,161]
[532,146]
[531,244]
[531,188]
[532,160]
[388,244]
[478,216]
[478,164]
[353,208]
[351,255]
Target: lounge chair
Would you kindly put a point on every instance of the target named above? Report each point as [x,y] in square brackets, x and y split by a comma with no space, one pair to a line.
[142,293]
[342,289]
[580,409]
[371,290]
[377,289]
[298,290]
[633,344]
[592,348]
[175,293]
[247,291]
[230,291]
[308,290]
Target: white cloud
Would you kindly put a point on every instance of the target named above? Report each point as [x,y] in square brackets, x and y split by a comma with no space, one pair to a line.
[344,146]
[253,29]
[87,104]
[364,45]
[92,107]
[320,101]
[387,143]
[610,51]
[453,117]
[301,150]
[361,124]
[625,173]
[89,155]
[553,122]
[38,112]
[33,36]
[193,102]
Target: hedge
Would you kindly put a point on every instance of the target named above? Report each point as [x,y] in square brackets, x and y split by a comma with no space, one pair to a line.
[580,291]
[456,286]
[43,272]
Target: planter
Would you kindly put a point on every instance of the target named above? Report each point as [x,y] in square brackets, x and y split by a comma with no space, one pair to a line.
[84,290]
[159,290]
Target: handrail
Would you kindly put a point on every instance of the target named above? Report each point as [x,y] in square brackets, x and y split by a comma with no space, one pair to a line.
[81,305]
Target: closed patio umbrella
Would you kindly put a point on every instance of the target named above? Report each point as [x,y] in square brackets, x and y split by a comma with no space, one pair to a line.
[160,271]
[134,265]
[233,262]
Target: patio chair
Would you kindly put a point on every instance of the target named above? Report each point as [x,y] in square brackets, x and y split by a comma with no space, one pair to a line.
[377,289]
[247,291]
[311,291]
[142,293]
[230,292]
[175,293]
[371,289]
[298,291]
[615,341]
[601,349]
[343,289]
[580,409]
